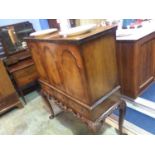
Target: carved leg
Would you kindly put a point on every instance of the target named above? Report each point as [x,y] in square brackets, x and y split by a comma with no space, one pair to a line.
[20,105]
[95,127]
[48,104]
[22,95]
[122,111]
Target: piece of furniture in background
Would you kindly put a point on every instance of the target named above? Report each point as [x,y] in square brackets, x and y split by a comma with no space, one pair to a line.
[53,23]
[81,74]
[23,74]
[18,59]
[72,22]
[12,37]
[136,62]
[8,95]
[2,53]
[80,22]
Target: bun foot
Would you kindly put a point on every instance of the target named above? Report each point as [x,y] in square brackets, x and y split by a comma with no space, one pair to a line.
[95,126]
[51,116]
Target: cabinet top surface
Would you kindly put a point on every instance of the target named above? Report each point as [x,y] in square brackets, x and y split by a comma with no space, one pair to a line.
[55,37]
[135,34]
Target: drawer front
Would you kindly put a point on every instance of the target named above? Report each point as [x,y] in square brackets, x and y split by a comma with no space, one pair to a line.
[25,76]
[66,102]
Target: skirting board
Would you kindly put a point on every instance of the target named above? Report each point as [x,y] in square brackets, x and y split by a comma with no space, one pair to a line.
[141,105]
[145,102]
[143,109]
[129,128]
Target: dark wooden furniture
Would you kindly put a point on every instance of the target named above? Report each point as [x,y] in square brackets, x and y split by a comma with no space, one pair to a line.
[72,22]
[12,36]
[8,95]
[18,59]
[54,24]
[136,62]
[2,53]
[80,73]
[23,74]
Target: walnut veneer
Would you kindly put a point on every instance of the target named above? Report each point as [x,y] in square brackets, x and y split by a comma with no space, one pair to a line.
[80,73]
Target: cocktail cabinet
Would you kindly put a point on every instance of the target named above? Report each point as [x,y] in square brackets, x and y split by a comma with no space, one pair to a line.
[80,72]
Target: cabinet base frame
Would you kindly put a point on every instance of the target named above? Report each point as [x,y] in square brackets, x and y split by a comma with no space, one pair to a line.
[93,125]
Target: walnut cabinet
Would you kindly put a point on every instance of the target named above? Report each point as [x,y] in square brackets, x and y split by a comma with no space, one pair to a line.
[80,72]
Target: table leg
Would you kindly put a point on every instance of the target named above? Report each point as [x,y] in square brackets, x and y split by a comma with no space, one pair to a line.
[48,104]
[122,111]
[22,95]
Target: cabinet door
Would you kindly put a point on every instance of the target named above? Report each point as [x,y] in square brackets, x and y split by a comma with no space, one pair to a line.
[37,55]
[72,71]
[50,60]
[145,64]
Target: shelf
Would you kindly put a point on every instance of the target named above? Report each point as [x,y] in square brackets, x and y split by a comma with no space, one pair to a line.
[20,65]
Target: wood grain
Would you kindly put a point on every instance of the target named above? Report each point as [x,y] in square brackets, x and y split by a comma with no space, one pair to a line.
[81,73]
[136,64]
[8,95]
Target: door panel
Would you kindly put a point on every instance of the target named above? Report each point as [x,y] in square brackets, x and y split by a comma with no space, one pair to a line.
[72,72]
[51,64]
[145,64]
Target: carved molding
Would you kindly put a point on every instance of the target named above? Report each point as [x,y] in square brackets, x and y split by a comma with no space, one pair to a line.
[79,102]
[94,126]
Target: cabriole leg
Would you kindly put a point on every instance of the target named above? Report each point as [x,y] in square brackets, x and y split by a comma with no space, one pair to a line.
[122,111]
[48,104]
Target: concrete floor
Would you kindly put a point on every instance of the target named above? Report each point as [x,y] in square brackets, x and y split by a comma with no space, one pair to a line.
[33,119]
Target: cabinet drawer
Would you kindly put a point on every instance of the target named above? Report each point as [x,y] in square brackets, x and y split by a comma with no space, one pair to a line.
[25,75]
